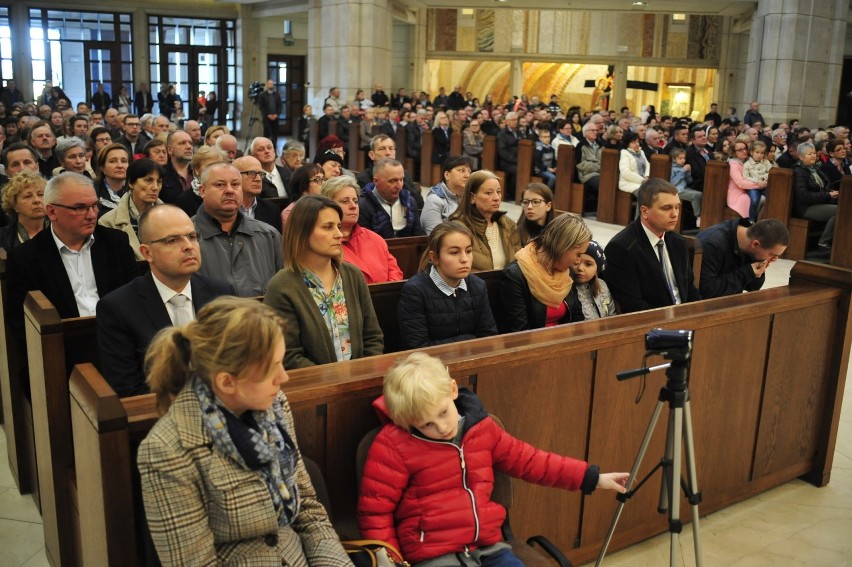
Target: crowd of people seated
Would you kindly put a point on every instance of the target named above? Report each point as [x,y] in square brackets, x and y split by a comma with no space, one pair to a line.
[204,221]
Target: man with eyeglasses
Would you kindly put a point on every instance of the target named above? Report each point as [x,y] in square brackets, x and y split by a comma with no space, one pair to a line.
[73,263]
[132,138]
[235,248]
[253,206]
[170,294]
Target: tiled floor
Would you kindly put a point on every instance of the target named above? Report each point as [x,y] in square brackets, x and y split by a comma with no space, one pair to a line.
[795,524]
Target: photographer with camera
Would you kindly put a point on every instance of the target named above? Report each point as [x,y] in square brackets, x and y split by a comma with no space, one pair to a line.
[270,106]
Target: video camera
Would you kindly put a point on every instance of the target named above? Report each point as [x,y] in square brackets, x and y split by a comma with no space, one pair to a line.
[672,345]
[255,89]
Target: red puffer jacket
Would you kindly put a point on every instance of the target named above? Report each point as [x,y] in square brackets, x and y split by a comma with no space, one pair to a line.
[430,498]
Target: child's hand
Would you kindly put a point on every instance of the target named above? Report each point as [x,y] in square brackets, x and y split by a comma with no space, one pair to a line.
[687,167]
[614,481]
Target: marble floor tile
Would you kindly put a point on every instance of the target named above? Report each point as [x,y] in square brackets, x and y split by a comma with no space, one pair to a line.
[19,541]
[37,560]
[15,506]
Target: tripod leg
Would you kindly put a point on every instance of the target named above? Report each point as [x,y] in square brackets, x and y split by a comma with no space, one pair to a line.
[665,478]
[692,480]
[622,498]
[674,485]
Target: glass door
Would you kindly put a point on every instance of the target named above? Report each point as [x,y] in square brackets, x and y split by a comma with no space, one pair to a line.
[193,70]
[102,65]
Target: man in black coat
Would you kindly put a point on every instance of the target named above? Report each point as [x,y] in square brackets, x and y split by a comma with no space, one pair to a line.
[269,104]
[253,206]
[736,253]
[142,100]
[642,273]
[129,317]
[507,152]
[697,156]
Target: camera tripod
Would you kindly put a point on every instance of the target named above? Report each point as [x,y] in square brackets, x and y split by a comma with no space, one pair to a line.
[252,121]
[676,394]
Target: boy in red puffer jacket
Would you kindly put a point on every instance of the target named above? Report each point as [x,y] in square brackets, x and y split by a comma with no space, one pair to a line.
[429,475]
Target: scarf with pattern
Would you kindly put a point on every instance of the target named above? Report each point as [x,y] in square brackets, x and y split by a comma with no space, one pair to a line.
[257,441]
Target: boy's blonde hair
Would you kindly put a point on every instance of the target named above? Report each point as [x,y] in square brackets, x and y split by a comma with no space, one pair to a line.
[414,386]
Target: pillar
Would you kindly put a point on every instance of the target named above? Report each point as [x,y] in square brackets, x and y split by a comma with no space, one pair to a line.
[796,59]
[349,46]
[619,88]
[516,80]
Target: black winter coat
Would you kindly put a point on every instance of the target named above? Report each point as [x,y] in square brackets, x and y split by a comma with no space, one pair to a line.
[520,311]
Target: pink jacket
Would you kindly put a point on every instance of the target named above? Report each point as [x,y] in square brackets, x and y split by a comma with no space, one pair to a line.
[369,252]
[737,186]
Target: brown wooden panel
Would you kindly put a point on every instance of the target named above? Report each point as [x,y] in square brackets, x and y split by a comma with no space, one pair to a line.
[794,385]
[525,165]
[408,251]
[402,145]
[715,199]
[779,194]
[354,149]
[608,186]
[536,510]
[661,167]
[489,153]
[841,251]
[455,144]
[564,179]
[426,148]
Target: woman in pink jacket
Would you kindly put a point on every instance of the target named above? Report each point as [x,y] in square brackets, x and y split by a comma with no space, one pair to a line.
[738,186]
[361,246]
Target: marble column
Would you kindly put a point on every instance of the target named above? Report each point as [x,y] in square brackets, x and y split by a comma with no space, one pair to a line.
[349,46]
[796,59]
[619,88]
[516,79]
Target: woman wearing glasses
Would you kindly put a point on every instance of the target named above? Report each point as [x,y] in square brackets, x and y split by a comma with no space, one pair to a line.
[306,180]
[536,289]
[145,180]
[324,301]
[537,211]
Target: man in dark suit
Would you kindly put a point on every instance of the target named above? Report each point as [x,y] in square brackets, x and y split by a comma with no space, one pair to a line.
[273,174]
[270,106]
[143,100]
[507,152]
[697,156]
[101,99]
[647,263]
[129,317]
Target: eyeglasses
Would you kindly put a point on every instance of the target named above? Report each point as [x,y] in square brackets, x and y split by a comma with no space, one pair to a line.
[533,202]
[317,179]
[251,174]
[79,210]
[176,239]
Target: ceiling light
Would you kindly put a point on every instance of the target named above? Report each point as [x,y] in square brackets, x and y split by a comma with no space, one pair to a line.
[639,3]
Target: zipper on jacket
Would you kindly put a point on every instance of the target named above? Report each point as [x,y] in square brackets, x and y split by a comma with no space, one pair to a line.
[464,483]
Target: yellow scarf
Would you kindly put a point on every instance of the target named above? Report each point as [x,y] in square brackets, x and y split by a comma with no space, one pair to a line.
[550,289]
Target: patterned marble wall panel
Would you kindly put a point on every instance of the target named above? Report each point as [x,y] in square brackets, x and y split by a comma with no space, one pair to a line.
[485,22]
[519,21]
[446,25]
[704,37]
[466,34]
[503,25]
[532,19]
[547,26]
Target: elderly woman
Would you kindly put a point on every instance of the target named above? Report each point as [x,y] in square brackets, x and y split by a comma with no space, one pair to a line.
[325,302]
[441,133]
[71,153]
[156,150]
[813,199]
[331,164]
[633,167]
[738,198]
[495,235]
[214,133]
[536,289]
[224,454]
[612,137]
[306,180]
[23,201]
[112,181]
[472,142]
[361,246]
[145,180]
[564,135]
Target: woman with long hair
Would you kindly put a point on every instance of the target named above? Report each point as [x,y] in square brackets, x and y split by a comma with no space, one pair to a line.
[111,184]
[536,289]
[537,212]
[496,236]
[444,302]
[306,180]
[325,301]
[222,478]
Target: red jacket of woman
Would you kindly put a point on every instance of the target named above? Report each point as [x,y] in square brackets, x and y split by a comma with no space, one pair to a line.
[429,498]
[369,252]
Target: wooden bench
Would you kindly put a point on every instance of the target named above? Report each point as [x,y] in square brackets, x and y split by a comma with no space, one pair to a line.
[714,207]
[781,411]
[427,146]
[408,250]
[17,409]
[614,206]
[841,250]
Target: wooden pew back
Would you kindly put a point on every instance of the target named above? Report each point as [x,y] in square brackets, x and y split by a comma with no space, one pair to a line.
[408,250]
[841,251]
[526,149]
[781,410]
[614,206]
[568,195]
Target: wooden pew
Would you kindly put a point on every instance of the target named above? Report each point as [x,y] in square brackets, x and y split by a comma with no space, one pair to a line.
[569,195]
[354,152]
[841,250]
[660,167]
[781,410]
[426,146]
[523,177]
[17,410]
[313,139]
[779,205]
[714,207]
[408,250]
[489,153]
[456,144]
[401,149]
[614,206]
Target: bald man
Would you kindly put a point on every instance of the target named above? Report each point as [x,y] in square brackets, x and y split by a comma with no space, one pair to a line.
[228,144]
[129,317]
